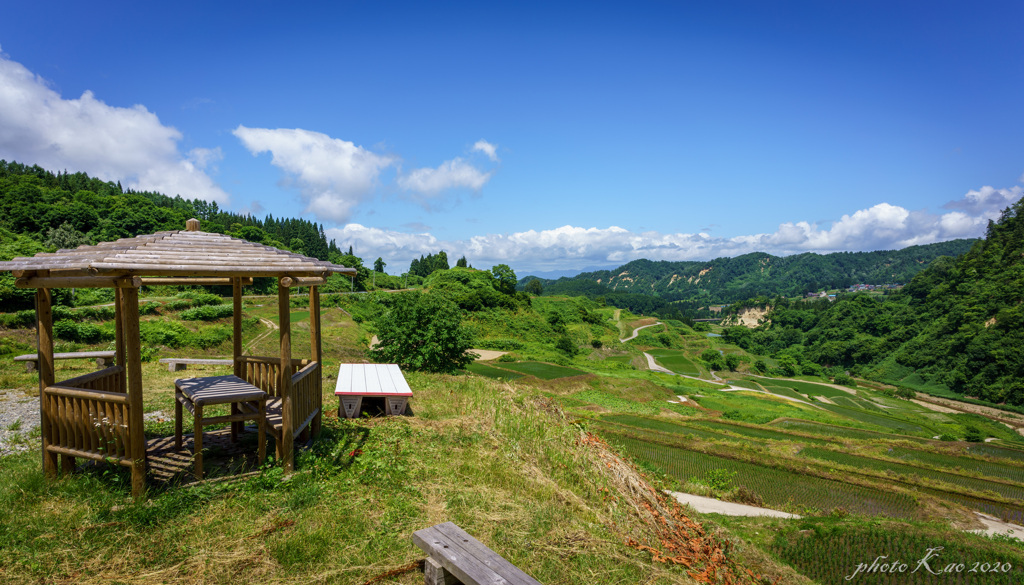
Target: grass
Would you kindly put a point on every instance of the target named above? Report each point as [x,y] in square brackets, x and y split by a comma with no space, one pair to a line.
[526,487]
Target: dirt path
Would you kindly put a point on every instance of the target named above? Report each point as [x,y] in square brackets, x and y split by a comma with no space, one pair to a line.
[637,331]
[1010,419]
[995,526]
[713,506]
[271,327]
[488,354]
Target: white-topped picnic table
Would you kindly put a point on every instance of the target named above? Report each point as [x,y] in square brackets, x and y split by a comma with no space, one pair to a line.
[358,381]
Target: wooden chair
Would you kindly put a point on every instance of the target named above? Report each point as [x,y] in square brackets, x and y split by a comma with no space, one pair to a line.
[247,403]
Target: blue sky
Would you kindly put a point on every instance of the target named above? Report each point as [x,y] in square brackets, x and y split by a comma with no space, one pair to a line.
[547,136]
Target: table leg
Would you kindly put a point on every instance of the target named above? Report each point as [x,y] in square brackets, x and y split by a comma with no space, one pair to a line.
[197,441]
[177,418]
[262,424]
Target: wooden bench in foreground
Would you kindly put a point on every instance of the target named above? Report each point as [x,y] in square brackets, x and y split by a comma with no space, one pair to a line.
[456,557]
[178,364]
[358,381]
[103,358]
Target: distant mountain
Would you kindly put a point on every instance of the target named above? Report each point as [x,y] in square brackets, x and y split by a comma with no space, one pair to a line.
[556,274]
[725,280]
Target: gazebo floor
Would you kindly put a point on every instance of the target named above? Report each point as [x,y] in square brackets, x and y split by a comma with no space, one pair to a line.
[222,459]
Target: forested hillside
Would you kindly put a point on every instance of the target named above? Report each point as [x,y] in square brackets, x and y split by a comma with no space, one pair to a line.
[46,211]
[726,280]
[957,326]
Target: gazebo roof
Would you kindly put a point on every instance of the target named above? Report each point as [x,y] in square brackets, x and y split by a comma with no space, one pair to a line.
[173,253]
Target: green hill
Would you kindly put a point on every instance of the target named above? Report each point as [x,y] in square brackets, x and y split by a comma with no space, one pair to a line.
[724,280]
[958,326]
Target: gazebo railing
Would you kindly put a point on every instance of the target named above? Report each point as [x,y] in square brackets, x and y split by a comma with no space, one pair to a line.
[88,417]
[265,372]
[307,397]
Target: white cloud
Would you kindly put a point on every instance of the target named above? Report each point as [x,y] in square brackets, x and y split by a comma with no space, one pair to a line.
[987,200]
[333,175]
[451,174]
[491,150]
[205,157]
[880,227]
[130,145]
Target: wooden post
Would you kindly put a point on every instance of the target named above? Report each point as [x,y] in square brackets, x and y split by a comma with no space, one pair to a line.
[318,354]
[133,373]
[237,323]
[44,344]
[284,313]
[119,338]
[236,342]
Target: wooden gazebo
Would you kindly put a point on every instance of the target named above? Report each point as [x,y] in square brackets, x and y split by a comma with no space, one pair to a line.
[99,415]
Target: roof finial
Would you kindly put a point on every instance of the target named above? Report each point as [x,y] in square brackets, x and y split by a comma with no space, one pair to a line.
[192,225]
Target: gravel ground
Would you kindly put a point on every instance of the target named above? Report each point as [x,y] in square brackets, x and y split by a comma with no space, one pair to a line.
[19,415]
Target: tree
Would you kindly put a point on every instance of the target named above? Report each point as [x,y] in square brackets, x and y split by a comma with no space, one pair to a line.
[422,332]
[65,237]
[462,263]
[504,279]
[534,287]
[379,264]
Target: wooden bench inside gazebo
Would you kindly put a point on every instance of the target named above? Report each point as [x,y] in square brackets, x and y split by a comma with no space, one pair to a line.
[98,416]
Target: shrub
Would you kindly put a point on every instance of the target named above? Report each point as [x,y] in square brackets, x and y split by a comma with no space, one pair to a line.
[500,344]
[178,305]
[595,343]
[844,380]
[207,313]
[973,434]
[69,330]
[906,393]
[566,346]
[18,320]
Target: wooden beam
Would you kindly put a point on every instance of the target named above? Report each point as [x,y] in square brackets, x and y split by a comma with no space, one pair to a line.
[284,314]
[213,281]
[79,282]
[216,270]
[44,342]
[293,281]
[133,371]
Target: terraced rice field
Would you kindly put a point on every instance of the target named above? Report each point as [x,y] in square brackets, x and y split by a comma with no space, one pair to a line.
[676,361]
[973,483]
[994,451]
[758,432]
[879,420]
[660,433]
[777,487]
[989,468]
[830,556]
[492,372]
[838,431]
[783,391]
[542,370]
[809,388]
